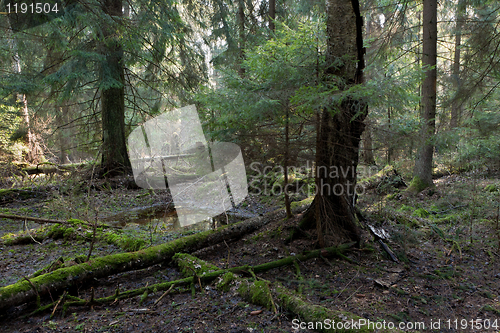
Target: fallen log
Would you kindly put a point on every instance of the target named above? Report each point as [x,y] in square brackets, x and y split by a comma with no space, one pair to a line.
[265,293]
[56,281]
[39,234]
[51,168]
[14,194]
[203,271]
[34,219]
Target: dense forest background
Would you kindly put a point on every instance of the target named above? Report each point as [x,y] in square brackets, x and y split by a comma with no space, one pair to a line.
[370,133]
[250,69]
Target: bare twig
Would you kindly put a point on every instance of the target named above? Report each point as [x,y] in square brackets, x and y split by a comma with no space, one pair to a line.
[228,254]
[36,291]
[42,220]
[57,304]
[164,294]
[348,298]
[348,283]
[28,232]
[196,276]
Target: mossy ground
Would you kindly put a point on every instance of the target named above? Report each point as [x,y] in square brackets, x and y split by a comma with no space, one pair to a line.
[445,240]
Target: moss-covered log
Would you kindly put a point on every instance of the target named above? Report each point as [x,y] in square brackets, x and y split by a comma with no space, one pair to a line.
[70,229]
[43,220]
[269,295]
[22,291]
[50,168]
[202,270]
[323,319]
[201,267]
[14,194]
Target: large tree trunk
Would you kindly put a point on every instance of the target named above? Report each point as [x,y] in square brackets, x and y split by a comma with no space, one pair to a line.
[114,150]
[423,164]
[340,128]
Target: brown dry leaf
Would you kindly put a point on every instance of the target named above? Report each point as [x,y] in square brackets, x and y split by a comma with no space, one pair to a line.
[256,312]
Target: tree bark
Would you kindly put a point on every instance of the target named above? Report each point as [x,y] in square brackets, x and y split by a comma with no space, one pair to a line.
[340,127]
[241,32]
[423,164]
[367,152]
[272,14]
[286,162]
[114,150]
[456,106]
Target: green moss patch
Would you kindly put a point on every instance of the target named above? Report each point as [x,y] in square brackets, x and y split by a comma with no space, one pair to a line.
[190,265]
[256,292]
[226,282]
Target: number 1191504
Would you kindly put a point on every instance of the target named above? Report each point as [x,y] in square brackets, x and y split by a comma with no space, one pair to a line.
[32,8]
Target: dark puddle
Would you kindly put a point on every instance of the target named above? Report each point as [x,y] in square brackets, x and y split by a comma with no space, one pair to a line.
[166,215]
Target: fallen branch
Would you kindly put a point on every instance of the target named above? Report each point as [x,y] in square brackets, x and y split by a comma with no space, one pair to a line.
[43,220]
[15,194]
[50,168]
[29,218]
[58,280]
[380,234]
[194,267]
[270,295]
[164,294]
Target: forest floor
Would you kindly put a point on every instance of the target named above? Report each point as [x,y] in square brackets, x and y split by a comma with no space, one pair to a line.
[447,241]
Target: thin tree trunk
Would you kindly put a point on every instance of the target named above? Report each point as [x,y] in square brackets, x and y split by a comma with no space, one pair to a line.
[418,109]
[423,164]
[286,162]
[272,14]
[366,153]
[62,117]
[389,148]
[456,106]
[34,150]
[241,31]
